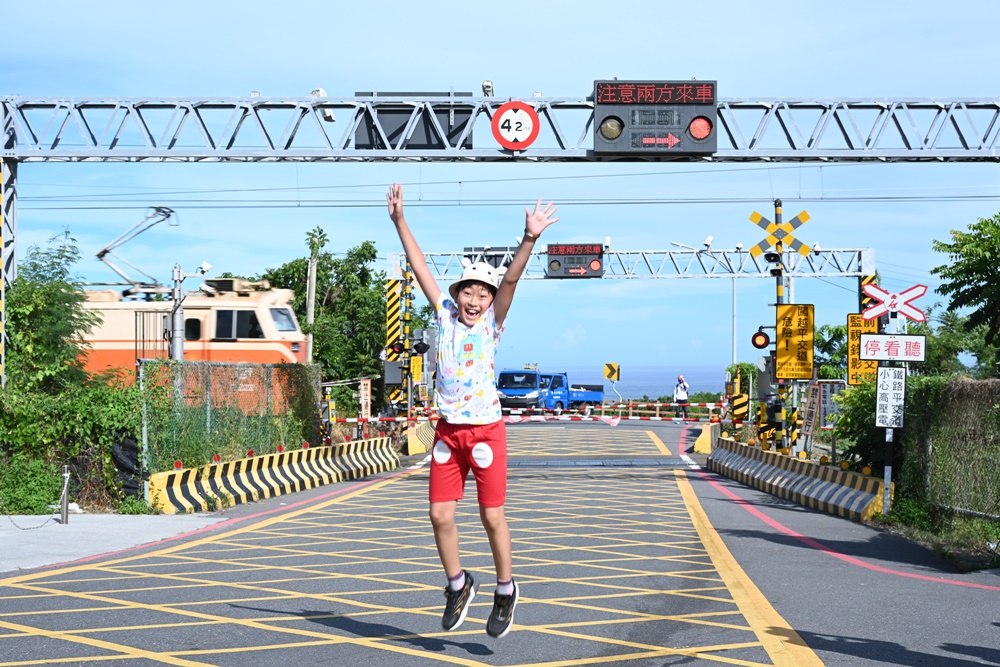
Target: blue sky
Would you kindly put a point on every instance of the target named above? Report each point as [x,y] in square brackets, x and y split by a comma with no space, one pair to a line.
[888,50]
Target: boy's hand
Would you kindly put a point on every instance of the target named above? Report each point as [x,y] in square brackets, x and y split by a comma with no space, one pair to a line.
[536,221]
[395,201]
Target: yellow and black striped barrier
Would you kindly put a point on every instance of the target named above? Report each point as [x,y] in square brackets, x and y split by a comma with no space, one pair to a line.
[247,480]
[828,489]
[419,438]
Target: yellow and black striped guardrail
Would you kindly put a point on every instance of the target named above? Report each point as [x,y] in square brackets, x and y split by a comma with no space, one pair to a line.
[419,438]
[828,489]
[250,479]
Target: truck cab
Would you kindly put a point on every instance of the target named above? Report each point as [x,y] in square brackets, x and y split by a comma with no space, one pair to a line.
[521,389]
[557,397]
[528,388]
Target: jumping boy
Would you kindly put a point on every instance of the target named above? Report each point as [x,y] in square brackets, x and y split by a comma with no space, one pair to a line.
[470,433]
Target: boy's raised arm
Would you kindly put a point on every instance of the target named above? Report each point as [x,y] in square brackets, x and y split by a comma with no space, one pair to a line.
[415,256]
[535,223]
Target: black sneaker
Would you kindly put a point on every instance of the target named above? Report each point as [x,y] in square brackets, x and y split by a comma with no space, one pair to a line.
[502,617]
[458,602]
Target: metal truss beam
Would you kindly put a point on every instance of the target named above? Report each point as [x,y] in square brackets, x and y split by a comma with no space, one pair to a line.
[258,129]
[663,264]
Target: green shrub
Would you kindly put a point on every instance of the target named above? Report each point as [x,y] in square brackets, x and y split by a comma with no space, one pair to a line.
[76,427]
[29,485]
[133,505]
[910,512]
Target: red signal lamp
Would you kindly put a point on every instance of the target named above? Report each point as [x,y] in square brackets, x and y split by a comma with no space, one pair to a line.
[760,340]
[700,128]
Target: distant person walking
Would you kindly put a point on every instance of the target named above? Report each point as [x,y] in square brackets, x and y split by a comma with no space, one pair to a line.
[470,434]
[681,396]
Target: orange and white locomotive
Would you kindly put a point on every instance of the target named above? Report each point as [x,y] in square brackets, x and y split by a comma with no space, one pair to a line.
[227,320]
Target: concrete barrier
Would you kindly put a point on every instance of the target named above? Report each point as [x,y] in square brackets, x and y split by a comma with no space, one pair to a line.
[250,479]
[828,489]
[710,434]
[419,438]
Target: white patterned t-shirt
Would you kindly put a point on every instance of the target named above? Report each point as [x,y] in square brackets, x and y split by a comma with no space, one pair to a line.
[466,383]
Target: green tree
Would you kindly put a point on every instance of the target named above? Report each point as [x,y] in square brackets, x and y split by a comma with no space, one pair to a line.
[971,279]
[46,320]
[946,338]
[987,356]
[831,351]
[51,413]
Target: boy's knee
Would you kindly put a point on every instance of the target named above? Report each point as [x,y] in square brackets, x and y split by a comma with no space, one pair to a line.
[493,517]
[442,515]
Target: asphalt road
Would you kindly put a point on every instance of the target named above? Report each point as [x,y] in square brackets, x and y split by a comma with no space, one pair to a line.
[626,554]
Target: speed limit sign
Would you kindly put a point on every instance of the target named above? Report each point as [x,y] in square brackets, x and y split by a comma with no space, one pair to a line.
[515,125]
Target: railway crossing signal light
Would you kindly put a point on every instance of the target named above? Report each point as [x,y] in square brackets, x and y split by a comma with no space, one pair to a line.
[419,347]
[655,117]
[575,260]
[760,340]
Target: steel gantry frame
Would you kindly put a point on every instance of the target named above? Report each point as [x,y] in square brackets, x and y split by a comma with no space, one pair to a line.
[254,129]
[443,128]
[660,264]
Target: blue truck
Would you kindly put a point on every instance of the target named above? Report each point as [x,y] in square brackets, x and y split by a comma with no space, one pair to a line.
[531,388]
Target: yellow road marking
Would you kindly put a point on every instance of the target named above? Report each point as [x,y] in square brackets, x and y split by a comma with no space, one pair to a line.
[278,518]
[677,521]
[659,443]
[127,651]
[782,643]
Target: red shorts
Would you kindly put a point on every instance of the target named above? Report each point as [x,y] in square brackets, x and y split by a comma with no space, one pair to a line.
[459,447]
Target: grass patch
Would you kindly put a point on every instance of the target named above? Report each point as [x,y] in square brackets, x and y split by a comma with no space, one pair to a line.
[133,505]
[969,543]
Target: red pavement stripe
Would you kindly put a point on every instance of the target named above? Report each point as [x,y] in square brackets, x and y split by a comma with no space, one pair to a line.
[808,541]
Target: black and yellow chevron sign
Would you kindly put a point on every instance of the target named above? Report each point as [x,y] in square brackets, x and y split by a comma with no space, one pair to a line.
[864,301]
[741,407]
[611,372]
[393,324]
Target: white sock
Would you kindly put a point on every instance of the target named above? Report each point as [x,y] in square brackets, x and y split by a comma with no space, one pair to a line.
[457,583]
[505,587]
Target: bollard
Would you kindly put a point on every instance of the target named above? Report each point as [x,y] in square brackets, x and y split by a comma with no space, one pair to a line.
[65,496]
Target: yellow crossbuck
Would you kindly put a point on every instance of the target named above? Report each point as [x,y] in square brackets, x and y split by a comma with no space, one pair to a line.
[780,233]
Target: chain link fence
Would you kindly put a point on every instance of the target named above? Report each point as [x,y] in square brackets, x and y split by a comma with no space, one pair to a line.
[954,451]
[194,411]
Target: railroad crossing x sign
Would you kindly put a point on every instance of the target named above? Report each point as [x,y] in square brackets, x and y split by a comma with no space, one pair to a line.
[780,233]
[892,303]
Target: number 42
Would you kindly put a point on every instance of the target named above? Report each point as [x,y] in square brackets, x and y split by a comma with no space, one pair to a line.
[508,126]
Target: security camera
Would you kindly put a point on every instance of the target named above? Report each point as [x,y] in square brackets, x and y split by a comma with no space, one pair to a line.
[739,246]
[487,88]
[708,242]
[205,267]
[326,114]
[816,247]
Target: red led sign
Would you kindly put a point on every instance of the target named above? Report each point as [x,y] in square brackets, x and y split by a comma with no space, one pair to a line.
[653,140]
[570,249]
[654,92]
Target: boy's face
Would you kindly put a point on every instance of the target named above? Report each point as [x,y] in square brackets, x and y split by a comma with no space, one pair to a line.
[473,300]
